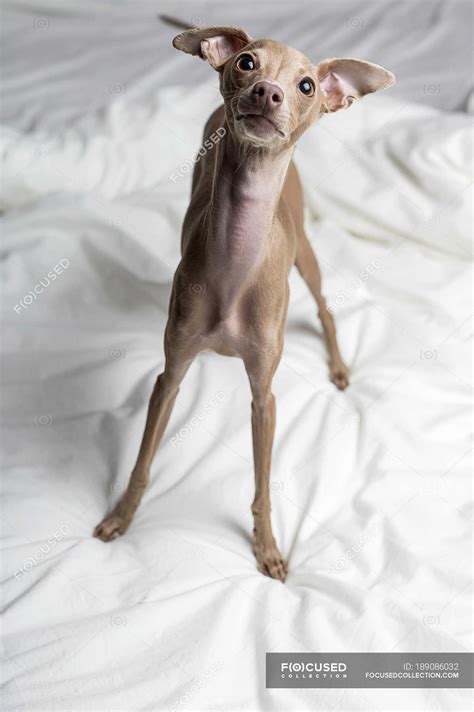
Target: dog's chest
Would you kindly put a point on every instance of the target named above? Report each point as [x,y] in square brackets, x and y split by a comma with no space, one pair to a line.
[242,236]
[239,245]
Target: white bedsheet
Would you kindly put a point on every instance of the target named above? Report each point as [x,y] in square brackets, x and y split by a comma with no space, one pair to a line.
[371,488]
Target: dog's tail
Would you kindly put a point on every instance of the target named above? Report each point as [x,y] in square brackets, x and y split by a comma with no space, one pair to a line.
[179,24]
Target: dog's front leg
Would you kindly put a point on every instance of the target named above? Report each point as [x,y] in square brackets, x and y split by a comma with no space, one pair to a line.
[308,267]
[270,561]
[159,411]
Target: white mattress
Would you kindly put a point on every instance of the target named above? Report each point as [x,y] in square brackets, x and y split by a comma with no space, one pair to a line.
[371,488]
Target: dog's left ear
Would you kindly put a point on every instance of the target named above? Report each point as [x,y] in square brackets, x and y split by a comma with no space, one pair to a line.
[344,80]
[216,44]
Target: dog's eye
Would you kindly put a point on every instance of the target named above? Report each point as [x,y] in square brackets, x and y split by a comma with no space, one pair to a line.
[306,86]
[246,63]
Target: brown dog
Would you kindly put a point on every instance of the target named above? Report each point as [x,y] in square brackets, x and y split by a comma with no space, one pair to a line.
[242,233]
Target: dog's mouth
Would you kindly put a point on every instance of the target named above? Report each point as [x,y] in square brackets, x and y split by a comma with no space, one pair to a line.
[261,122]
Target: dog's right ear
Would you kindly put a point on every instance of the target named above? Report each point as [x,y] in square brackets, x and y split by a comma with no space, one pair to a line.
[216,44]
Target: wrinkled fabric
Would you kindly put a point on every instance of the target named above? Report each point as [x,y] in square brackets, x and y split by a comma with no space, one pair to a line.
[371,488]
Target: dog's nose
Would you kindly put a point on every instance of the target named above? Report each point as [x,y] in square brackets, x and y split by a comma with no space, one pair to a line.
[267,94]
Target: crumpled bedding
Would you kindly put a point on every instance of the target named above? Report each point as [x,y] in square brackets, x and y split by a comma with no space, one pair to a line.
[371,488]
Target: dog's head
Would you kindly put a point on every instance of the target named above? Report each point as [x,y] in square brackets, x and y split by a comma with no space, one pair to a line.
[273,93]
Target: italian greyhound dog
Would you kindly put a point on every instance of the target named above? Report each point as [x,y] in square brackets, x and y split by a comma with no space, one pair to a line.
[242,233]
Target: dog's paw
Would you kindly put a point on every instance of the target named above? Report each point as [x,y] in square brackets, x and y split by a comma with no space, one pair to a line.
[339,375]
[269,561]
[113,526]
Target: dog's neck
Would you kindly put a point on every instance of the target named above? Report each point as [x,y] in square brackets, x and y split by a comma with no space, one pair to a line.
[246,191]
